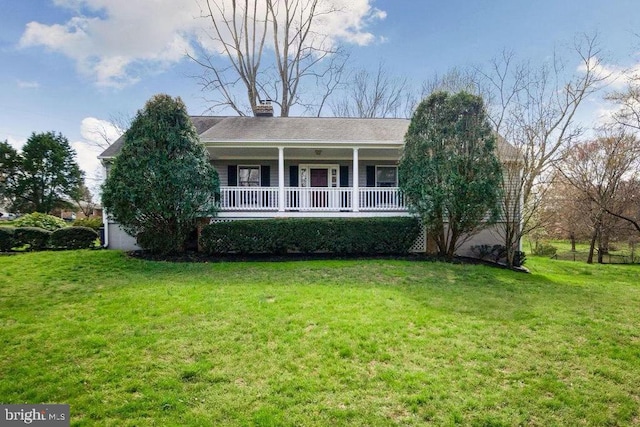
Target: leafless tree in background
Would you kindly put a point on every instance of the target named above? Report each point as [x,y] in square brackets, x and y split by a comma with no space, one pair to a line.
[269,49]
[628,100]
[455,80]
[378,94]
[600,170]
[534,109]
[104,134]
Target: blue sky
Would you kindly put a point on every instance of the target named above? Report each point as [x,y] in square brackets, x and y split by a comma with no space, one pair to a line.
[66,64]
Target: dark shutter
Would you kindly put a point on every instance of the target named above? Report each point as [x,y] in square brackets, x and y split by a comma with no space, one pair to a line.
[265,176]
[371,176]
[344,176]
[232,175]
[293,176]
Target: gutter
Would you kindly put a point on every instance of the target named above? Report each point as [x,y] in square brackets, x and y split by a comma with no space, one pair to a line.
[105,226]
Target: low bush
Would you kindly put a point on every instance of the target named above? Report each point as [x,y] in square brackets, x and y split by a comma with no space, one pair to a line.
[35,238]
[73,238]
[313,235]
[544,249]
[40,220]
[7,240]
[91,222]
[482,251]
[498,254]
[519,258]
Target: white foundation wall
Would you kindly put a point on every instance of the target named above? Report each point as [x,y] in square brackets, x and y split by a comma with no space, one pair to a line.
[489,236]
[120,239]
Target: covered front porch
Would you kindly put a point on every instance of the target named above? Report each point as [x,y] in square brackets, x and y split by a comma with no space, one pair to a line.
[308,178]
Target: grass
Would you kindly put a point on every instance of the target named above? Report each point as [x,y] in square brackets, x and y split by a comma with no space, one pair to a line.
[129,342]
[619,252]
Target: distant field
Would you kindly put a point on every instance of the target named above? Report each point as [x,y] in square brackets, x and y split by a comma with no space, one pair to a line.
[620,252]
[314,343]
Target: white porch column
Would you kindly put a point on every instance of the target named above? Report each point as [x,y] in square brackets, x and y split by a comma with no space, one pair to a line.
[355,197]
[281,195]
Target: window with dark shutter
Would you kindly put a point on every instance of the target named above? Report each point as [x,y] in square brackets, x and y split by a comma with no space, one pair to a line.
[265,176]
[232,175]
[344,176]
[293,176]
[371,176]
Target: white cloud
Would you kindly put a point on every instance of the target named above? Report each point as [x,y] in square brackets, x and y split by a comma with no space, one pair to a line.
[114,41]
[28,85]
[96,135]
[616,77]
[15,142]
[87,157]
[99,133]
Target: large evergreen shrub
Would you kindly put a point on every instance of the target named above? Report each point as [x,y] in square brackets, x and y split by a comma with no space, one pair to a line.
[162,180]
[449,173]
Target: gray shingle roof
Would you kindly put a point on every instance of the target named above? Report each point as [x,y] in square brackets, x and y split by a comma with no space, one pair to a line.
[286,129]
[201,123]
[306,129]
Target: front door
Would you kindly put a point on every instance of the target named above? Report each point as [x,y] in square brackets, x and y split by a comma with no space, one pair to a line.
[319,179]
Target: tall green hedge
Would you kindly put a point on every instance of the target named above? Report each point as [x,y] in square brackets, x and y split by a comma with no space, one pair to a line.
[73,238]
[7,240]
[37,238]
[311,235]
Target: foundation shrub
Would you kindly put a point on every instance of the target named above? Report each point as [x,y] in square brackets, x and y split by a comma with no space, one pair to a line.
[361,236]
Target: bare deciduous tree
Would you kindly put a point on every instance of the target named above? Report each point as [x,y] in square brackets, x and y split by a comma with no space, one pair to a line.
[599,169]
[371,95]
[565,212]
[629,101]
[534,109]
[104,133]
[455,80]
[244,30]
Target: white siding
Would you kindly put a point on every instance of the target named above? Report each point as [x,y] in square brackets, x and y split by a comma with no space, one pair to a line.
[222,168]
[119,239]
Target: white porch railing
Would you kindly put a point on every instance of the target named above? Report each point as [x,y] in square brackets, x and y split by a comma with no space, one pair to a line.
[318,199]
[381,199]
[248,198]
[310,199]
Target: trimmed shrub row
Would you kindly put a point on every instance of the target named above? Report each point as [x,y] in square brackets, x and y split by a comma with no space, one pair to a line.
[37,239]
[313,235]
[6,238]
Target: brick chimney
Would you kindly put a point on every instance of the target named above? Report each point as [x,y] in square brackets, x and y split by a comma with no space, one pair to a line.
[264,109]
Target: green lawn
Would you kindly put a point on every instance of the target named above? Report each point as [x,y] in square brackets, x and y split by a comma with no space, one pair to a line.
[619,253]
[128,342]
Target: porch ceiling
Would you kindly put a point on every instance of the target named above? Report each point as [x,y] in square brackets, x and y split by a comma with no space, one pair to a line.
[316,153]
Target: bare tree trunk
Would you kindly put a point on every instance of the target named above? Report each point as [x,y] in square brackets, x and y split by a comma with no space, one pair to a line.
[592,245]
[298,52]
[600,248]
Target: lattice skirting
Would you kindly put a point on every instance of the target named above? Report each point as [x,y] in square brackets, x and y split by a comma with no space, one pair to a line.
[420,245]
